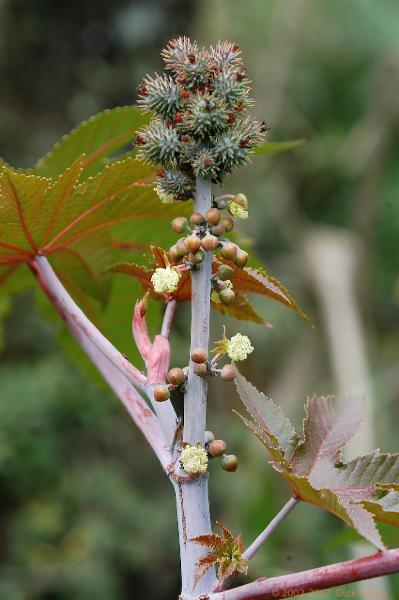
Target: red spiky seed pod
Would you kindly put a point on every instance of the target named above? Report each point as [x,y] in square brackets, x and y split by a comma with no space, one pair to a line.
[185,94]
[229,251]
[197,218]
[228,223]
[201,370]
[225,272]
[191,58]
[244,142]
[176,376]
[231,118]
[229,463]
[179,224]
[141,139]
[228,372]
[227,296]
[160,173]
[185,139]
[213,216]
[192,243]
[199,355]
[178,118]
[143,89]
[209,242]
[241,258]
[161,393]
[217,448]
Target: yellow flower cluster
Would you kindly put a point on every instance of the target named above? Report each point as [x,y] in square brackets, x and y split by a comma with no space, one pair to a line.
[165,280]
[194,459]
[239,347]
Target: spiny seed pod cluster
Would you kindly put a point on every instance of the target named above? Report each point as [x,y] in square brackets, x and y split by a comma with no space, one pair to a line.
[202,125]
[217,449]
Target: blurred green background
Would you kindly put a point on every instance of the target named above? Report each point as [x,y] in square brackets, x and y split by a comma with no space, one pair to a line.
[84,510]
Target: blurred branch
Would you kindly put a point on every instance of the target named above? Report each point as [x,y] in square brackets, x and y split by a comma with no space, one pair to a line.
[322,578]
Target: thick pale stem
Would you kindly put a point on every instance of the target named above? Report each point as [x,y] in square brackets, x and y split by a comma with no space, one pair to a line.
[296,584]
[192,496]
[274,523]
[116,370]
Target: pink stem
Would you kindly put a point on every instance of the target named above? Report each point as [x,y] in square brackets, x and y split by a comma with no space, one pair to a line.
[116,370]
[168,318]
[322,578]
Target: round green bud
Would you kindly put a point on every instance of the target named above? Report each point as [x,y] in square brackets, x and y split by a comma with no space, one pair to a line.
[213,216]
[225,272]
[176,376]
[230,462]
[217,448]
[209,437]
[197,257]
[199,355]
[209,242]
[197,218]
[228,223]
[161,393]
[228,372]
[192,243]
[179,224]
[241,258]
[201,370]
[229,251]
[227,296]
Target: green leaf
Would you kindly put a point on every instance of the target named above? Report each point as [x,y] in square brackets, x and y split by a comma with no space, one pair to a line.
[278,147]
[98,138]
[313,467]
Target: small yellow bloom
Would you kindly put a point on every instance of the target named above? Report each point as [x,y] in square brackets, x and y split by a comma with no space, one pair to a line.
[194,459]
[236,210]
[239,347]
[165,280]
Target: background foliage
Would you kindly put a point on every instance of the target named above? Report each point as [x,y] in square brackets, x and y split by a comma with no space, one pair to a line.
[84,511]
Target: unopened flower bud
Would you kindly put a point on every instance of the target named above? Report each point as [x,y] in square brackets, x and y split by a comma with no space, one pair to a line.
[192,243]
[218,229]
[225,272]
[228,372]
[179,224]
[201,370]
[210,242]
[176,376]
[227,296]
[230,462]
[241,258]
[174,253]
[181,247]
[161,393]
[196,257]
[228,223]
[209,437]
[213,216]
[199,355]
[229,251]
[197,218]
[217,448]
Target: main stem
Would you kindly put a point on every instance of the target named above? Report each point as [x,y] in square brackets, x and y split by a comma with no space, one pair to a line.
[192,495]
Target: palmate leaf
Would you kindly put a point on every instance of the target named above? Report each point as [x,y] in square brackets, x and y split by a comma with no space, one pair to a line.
[226,554]
[39,215]
[358,492]
[98,138]
[244,280]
